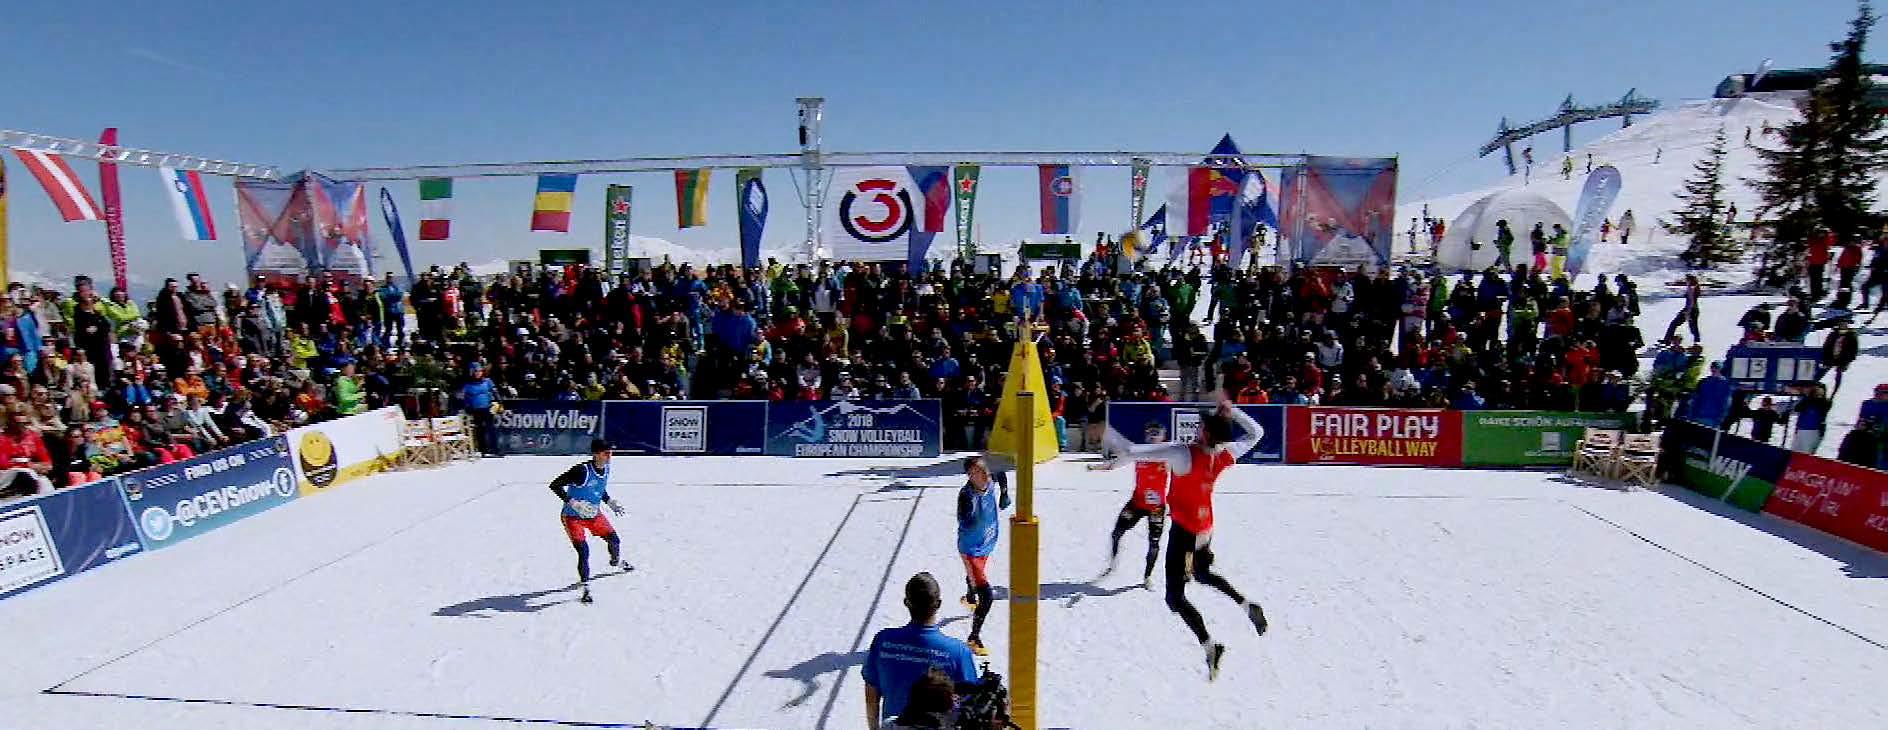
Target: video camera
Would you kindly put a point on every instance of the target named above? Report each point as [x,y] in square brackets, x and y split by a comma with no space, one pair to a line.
[987,705]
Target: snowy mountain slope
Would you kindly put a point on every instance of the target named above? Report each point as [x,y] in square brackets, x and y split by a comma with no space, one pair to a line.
[1654,156]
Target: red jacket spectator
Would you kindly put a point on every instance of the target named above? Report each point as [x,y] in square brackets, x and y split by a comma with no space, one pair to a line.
[1819,246]
[26,444]
[1851,257]
[1580,363]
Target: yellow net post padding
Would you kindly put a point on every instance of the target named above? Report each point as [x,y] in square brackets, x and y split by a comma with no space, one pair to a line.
[1025,569]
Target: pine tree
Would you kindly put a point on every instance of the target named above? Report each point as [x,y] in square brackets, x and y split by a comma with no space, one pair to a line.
[1823,175]
[1702,219]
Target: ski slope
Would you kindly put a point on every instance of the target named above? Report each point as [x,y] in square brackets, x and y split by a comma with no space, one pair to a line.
[1649,179]
[1399,598]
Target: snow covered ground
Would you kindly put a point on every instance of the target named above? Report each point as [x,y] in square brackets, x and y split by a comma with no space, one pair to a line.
[1399,598]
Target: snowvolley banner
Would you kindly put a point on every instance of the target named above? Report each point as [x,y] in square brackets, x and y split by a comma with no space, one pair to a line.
[1596,198]
[1180,423]
[551,428]
[1338,211]
[180,500]
[875,214]
[880,429]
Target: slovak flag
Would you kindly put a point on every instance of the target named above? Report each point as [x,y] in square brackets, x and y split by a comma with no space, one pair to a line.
[188,201]
[1061,198]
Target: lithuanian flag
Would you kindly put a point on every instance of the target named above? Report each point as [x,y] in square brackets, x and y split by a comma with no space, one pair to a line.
[552,210]
[691,198]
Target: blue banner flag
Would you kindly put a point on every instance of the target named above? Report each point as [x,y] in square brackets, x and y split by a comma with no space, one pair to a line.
[392,214]
[1596,198]
[753,208]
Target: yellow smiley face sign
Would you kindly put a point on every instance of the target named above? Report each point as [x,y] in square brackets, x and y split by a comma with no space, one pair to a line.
[319,465]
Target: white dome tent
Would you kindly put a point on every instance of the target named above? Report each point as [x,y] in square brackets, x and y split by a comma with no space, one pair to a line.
[1520,208]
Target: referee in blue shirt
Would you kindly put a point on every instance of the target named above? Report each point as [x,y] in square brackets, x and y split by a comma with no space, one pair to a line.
[902,654]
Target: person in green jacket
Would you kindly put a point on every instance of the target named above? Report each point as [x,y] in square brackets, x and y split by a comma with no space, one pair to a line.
[120,311]
[1438,300]
[348,398]
[1504,246]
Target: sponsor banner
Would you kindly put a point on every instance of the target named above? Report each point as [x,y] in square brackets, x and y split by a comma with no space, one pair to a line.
[855,428]
[616,211]
[1724,466]
[1528,438]
[555,428]
[1844,500]
[1772,367]
[65,533]
[686,427]
[174,502]
[1181,422]
[1388,436]
[332,453]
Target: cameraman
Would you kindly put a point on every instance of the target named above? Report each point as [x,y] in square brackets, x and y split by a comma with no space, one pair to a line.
[901,655]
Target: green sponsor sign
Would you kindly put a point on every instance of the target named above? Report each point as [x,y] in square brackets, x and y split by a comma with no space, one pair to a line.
[563,256]
[1050,251]
[964,194]
[1528,438]
[616,210]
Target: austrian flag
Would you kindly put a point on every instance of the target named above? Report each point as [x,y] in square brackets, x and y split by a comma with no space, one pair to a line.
[64,187]
[435,208]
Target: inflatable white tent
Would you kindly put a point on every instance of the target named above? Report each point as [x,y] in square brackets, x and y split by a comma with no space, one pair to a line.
[1520,208]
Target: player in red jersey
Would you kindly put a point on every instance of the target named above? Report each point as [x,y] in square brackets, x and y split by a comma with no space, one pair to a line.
[1192,470]
[1148,500]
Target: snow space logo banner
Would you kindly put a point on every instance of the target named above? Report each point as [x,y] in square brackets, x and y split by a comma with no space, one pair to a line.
[1339,211]
[552,428]
[855,428]
[1180,422]
[62,534]
[874,214]
[177,501]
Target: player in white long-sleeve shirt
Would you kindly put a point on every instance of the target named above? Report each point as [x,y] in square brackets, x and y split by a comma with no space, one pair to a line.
[1193,469]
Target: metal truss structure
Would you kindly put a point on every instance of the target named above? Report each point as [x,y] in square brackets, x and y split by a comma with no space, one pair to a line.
[82,149]
[1564,119]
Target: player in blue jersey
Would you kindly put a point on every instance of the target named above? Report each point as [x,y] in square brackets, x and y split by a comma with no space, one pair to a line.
[978,515]
[585,489]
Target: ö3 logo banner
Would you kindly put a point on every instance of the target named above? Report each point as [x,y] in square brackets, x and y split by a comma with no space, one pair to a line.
[197,495]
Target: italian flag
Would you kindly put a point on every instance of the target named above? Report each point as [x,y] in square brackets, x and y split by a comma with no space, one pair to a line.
[435,208]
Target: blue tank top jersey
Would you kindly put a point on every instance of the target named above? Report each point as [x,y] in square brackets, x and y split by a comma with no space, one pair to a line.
[977,519]
[593,488]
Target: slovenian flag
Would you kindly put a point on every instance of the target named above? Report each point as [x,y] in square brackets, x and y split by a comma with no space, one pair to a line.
[189,203]
[1061,198]
[551,212]
[435,208]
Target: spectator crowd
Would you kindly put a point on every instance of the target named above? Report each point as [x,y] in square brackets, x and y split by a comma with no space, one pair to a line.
[95,385]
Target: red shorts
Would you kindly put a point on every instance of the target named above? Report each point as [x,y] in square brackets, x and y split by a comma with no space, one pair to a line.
[598,525]
[978,569]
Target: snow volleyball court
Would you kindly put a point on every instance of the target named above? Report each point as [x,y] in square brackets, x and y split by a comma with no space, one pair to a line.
[1399,598]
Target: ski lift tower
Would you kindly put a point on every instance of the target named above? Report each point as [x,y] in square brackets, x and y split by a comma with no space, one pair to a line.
[812,113]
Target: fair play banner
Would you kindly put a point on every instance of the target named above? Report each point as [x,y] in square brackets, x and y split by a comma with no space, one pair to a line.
[874,214]
[1384,436]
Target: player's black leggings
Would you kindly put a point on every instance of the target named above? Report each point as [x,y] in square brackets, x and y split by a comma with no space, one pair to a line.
[583,554]
[1156,523]
[1188,557]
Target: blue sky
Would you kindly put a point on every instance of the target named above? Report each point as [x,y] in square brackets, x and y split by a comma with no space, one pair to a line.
[345,83]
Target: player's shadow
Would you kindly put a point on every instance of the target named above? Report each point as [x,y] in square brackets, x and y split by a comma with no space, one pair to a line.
[491,606]
[953,467]
[1075,592]
[809,672]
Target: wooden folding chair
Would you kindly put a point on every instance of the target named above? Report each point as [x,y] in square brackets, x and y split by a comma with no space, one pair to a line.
[1594,453]
[454,438]
[1638,460]
[416,441]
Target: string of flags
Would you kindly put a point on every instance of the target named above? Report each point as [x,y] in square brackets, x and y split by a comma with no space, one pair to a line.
[875,212]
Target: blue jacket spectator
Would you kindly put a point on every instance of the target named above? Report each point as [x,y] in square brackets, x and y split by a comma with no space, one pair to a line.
[1711,402]
[901,654]
[1468,399]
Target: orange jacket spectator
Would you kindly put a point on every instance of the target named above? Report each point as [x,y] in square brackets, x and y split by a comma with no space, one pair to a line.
[1252,394]
[191,384]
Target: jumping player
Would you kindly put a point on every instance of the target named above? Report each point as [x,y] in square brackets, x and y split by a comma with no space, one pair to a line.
[1193,469]
[584,488]
[978,516]
[1149,500]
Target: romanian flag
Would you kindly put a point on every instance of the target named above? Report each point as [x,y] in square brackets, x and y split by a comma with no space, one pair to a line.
[691,198]
[552,211]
